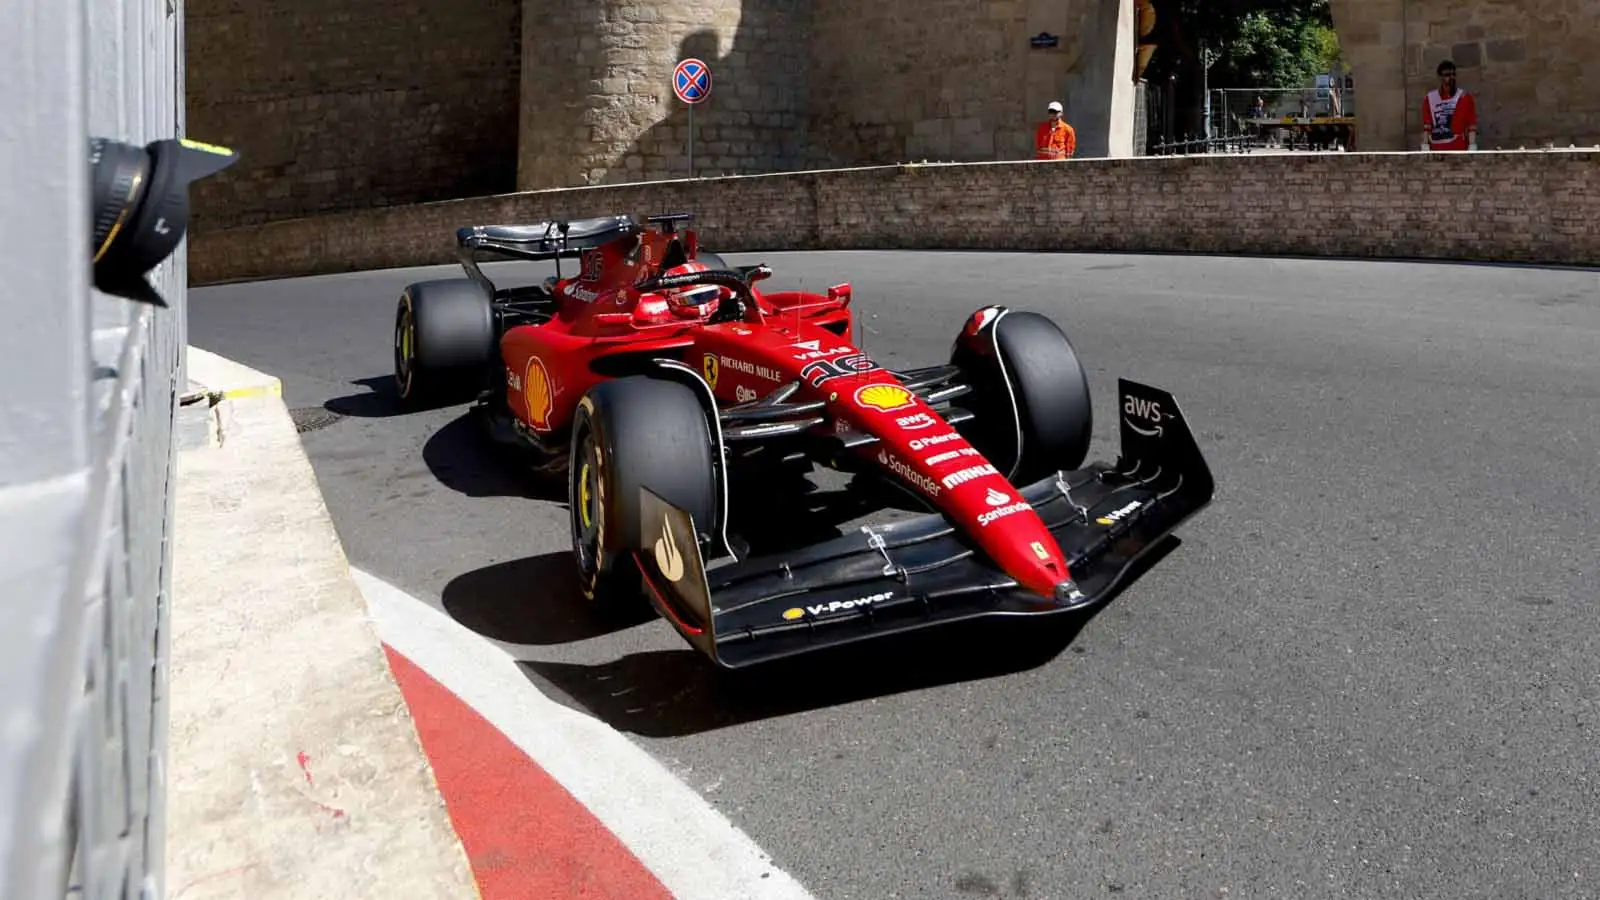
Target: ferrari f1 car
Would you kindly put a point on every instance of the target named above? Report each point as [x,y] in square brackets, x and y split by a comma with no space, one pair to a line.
[662,384]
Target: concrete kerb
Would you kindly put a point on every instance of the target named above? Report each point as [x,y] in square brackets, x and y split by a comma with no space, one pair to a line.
[295,769]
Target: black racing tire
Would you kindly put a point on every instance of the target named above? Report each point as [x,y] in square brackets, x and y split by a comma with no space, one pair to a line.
[444,346]
[1038,373]
[629,433]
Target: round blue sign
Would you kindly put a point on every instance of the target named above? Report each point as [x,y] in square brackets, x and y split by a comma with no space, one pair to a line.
[691,81]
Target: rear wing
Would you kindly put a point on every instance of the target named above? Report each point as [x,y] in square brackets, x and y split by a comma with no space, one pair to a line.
[922,572]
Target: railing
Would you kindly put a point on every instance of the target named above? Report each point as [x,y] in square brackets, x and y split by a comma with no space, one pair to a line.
[88,387]
[1240,143]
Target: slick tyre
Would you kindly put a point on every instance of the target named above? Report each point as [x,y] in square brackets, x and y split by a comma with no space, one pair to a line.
[1028,385]
[444,345]
[630,433]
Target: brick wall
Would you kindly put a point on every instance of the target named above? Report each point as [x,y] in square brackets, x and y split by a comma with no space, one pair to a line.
[1535,206]
[344,104]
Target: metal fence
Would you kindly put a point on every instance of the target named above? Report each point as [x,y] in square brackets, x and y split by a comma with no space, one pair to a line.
[88,388]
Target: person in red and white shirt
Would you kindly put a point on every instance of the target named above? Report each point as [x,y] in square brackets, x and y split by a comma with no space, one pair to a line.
[1449,114]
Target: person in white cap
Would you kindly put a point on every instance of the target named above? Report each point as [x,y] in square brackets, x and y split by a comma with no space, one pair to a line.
[1055,139]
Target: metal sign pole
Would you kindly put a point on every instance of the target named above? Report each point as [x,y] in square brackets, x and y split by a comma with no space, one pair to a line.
[691,83]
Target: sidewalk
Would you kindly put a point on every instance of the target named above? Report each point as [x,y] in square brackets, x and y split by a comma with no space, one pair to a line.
[294,770]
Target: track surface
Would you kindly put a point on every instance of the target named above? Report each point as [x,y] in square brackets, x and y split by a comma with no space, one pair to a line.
[1370,669]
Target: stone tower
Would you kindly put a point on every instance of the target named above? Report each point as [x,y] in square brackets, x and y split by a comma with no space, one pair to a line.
[597,103]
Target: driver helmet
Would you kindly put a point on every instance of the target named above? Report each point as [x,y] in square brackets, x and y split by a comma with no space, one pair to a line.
[695,297]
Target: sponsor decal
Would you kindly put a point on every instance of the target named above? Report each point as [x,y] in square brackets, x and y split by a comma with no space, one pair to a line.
[995,514]
[583,295]
[708,368]
[812,350]
[668,557]
[968,474]
[537,397]
[1117,515]
[915,421]
[934,440]
[742,331]
[1148,411]
[885,397]
[817,609]
[899,467]
[948,455]
[996,498]
[593,266]
[743,394]
[1039,550]
[824,370]
[513,380]
[749,368]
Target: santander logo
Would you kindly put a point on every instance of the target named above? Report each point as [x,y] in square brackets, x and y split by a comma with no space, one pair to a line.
[897,466]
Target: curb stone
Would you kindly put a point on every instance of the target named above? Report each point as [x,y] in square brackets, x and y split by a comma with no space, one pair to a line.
[294,769]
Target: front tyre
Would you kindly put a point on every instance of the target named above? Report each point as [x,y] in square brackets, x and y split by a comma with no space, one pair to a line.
[630,433]
[1029,387]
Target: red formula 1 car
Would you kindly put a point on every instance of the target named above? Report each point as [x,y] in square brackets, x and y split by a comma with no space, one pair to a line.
[680,401]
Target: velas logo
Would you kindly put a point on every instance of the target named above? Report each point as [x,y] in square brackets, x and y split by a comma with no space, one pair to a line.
[883,397]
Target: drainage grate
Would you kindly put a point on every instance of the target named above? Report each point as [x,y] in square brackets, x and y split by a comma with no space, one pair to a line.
[311,418]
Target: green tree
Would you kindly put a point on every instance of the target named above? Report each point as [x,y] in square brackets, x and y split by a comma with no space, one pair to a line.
[1248,43]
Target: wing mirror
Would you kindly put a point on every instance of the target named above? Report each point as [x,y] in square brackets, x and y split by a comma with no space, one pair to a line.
[840,293]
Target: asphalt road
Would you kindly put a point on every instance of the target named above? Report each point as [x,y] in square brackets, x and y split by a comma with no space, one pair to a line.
[1371,669]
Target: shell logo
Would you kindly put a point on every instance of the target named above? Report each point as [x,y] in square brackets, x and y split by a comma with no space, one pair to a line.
[884,397]
[536,395]
[792,613]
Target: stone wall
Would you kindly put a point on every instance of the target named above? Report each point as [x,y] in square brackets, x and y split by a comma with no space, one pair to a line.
[598,106]
[1533,66]
[345,104]
[1535,206]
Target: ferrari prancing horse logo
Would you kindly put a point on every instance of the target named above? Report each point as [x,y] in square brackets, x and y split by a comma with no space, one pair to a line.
[708,367]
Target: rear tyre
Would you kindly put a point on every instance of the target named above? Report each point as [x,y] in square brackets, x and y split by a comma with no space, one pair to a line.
[630,433]
[1028,383]
[443,342]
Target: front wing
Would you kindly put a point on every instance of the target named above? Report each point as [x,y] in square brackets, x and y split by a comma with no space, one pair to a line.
[922,572]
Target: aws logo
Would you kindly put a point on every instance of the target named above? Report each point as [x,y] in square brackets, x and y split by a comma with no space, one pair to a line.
[1148,411]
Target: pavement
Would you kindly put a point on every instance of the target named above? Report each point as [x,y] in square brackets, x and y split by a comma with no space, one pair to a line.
[1369,669]
[294,770]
